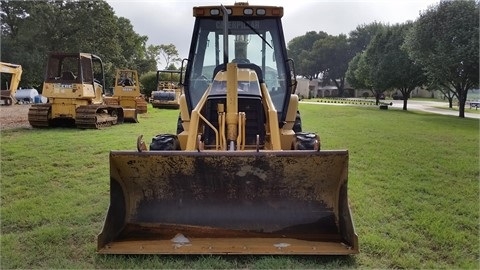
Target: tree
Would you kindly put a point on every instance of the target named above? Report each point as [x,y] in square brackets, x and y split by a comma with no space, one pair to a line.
[300,50]
[445,41]
[320,53]
[390,65]
[17,44]
[447,92]
[164,53]
[334,54]
[362,35]
[148,82]
[153,52]
[133,48]
[359,75]
[356,74]
[32,29]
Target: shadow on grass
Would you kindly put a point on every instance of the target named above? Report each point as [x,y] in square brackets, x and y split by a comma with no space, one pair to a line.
[225,261]
[442,119]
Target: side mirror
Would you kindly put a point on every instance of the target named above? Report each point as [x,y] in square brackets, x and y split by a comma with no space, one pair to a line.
[293,75]
[182,80]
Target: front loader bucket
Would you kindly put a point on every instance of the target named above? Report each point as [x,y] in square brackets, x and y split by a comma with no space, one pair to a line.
[219,202]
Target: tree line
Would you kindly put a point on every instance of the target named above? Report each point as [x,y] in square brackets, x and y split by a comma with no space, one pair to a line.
[440,50]
[437,51]
[32,29]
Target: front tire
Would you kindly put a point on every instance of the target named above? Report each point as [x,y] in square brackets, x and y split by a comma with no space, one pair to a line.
[306,141]
[165,142]
[297,126]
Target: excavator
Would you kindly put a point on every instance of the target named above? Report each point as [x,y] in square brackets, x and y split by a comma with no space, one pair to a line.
[168,93]
[15,71]
[126,92]
[236,178]
[74,85]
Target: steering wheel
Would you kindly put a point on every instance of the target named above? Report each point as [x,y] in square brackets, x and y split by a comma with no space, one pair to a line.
[203,77]
[199,86]
[201,83]
[241,61]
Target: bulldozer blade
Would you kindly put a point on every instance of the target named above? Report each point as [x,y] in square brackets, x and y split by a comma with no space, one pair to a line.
[130,115]
[228,202]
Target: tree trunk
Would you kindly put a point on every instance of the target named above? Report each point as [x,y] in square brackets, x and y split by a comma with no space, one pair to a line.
[340,86]
[461,109]
[462,99]
[406,94]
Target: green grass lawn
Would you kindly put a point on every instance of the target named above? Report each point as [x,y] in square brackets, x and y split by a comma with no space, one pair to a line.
[413,189]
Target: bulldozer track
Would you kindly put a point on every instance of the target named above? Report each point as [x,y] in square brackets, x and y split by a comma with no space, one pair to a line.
[97,116]
[141,105]
[87,117]
[38,115]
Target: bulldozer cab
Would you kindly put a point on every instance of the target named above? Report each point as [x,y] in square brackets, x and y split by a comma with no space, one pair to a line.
[74,75]
[167,79]
[254,39]
[126,83]
[126,93]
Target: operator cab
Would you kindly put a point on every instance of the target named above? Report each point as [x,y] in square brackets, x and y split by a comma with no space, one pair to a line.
[255,42]
[74,68]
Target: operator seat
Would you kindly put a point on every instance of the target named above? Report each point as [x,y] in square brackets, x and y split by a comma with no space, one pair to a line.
[68,76]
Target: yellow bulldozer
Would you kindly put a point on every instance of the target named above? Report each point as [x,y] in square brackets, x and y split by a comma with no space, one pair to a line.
[126,91]
[168,92]
[74,85]
[236,178]
[11,85]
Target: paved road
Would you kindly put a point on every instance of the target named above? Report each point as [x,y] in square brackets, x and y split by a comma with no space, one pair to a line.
[432,107]
[420,105]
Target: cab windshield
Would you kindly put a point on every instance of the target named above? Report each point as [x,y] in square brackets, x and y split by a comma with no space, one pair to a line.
[255,41]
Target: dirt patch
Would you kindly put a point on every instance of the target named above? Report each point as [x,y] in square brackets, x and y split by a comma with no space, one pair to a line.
[14,116]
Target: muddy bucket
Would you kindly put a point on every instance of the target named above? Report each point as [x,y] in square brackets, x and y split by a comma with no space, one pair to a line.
[228,202]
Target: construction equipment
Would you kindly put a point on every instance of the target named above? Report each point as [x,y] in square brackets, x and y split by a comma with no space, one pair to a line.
[236,179]
[126,92]
[168,92]
[74,85]
[15,71]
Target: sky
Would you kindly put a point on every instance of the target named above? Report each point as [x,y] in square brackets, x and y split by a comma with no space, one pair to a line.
[169,21]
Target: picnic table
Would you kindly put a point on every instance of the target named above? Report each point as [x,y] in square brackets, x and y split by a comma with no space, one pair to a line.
[475,104]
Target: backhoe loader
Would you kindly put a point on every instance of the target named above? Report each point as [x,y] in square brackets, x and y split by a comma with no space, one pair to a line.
[74,85]
[236,179]
[126,92]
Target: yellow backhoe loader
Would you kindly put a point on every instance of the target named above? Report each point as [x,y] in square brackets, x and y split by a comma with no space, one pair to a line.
[15,71]
[74,85]
[126,93]
[237,178]
[168,92]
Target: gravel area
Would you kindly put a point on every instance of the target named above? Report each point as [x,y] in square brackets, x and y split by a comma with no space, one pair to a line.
[14,116]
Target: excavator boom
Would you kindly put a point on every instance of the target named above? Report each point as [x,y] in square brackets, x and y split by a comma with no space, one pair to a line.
[15,71]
